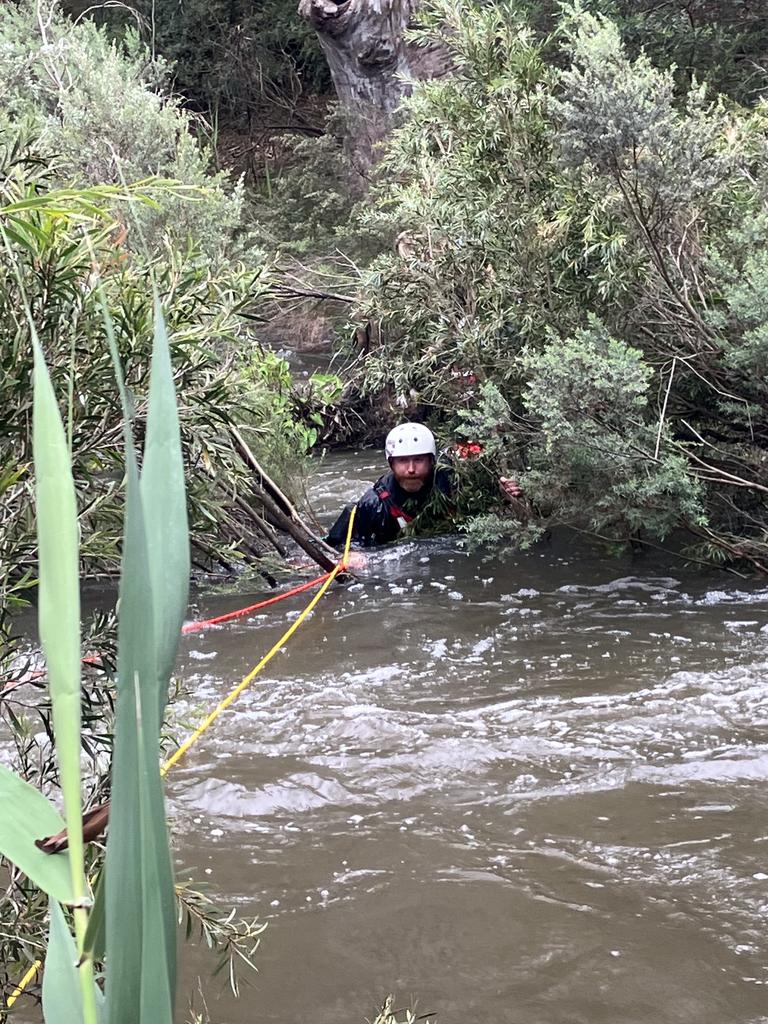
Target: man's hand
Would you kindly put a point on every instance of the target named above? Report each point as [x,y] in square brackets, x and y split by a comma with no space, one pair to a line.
[510,488]
[357,560]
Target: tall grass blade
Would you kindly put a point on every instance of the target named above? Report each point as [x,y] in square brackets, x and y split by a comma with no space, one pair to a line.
[137,826]
[26,816]
[157,985]
[59,598]
[59,621]
[165,507]
[62,998]
[164,503]
[95,945]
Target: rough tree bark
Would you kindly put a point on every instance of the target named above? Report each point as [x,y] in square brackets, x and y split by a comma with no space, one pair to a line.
[370,63]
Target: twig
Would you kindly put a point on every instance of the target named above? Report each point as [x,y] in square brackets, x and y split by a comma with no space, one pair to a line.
[282,512]
[288,292]
[664,410]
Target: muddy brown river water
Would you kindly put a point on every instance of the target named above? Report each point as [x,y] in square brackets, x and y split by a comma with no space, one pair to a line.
[527,789]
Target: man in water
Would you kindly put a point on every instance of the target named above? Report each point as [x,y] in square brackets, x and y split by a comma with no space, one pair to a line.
[398,497]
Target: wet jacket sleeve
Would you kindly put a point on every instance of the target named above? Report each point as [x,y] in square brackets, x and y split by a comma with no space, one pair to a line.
[372,523]
[337,534]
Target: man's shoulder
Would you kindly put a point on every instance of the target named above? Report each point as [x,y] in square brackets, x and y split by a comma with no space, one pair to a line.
[373,496]
[384,486]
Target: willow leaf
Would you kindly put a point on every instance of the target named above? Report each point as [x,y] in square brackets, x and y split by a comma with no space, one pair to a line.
[26,816]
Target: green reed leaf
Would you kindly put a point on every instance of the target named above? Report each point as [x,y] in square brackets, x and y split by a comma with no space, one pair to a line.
[157,983]
[62,994]
[140,913]
[95,943]
[26,816]
[165,508]
[62,998]
[59,598]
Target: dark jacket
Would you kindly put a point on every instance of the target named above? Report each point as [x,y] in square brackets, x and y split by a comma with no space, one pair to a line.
[385,509]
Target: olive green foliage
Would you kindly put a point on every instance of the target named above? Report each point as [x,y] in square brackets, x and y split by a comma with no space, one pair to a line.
[137,890]
[232,57]
[79,712]
[589,393]
[580,279]
[717,41]
[102,109]
[272,403]
[720,42]
[305,206]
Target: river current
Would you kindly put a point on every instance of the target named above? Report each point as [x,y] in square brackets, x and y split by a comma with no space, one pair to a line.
[520,789]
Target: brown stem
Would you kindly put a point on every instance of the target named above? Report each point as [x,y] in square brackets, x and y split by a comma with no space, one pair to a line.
[282,511]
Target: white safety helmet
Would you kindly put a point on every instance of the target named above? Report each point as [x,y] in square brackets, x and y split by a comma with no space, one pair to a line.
[410,439]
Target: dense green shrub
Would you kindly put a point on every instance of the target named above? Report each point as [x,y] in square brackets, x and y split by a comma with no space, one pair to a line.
[722,43]
[584,241]
[229,57]
[305,206]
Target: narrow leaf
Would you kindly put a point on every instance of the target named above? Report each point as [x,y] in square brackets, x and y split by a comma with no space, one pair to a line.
[59,597]
[95,935]
[62,989]
[157,981]
[165,508]
[138,937]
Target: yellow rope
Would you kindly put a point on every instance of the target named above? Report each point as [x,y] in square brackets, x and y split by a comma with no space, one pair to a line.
[246,682]
[23,983]
[222,706]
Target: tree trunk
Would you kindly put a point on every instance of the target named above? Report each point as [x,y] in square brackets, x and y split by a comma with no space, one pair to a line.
[370,63]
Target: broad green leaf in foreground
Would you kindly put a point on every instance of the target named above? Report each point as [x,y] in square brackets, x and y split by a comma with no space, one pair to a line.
[62,998]
[158,979]
[140,919]
[138,862]
[26,816]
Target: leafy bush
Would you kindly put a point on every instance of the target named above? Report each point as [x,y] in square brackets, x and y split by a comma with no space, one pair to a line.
[103,110]
[231,57]
[50,264]
[306,205]
[134,900]
[585,242]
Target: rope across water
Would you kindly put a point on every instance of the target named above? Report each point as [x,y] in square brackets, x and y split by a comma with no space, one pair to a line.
[247,680]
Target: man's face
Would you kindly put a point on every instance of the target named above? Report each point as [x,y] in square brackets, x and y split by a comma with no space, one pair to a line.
[411,471]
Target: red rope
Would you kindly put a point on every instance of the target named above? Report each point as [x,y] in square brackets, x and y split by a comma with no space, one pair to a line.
[191,627]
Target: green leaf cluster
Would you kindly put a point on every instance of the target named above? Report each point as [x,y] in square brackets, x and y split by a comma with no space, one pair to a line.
[103,113]
[50,264]
[230,58]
